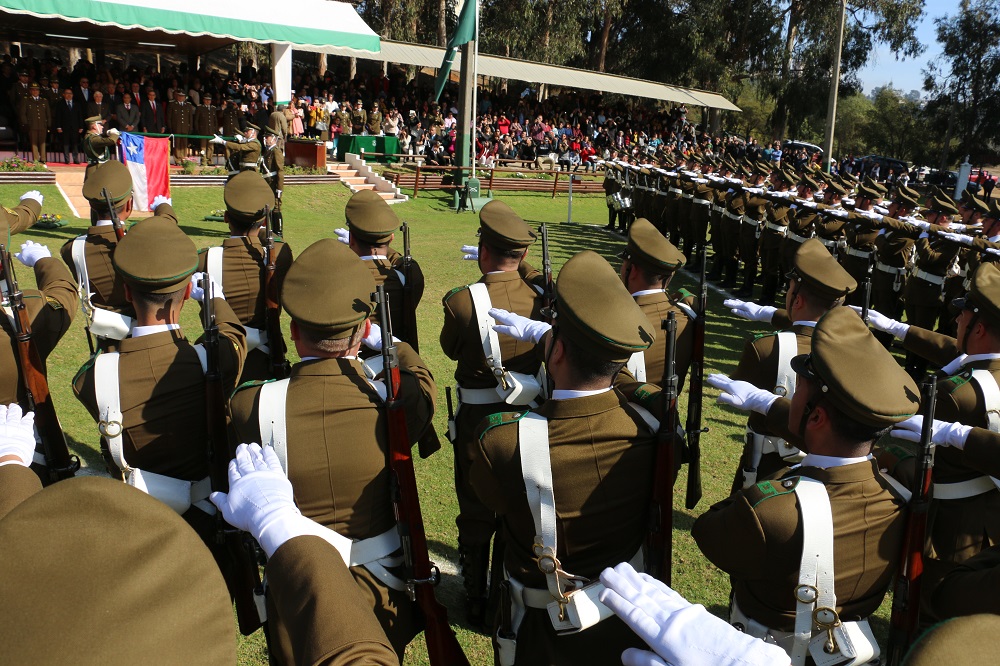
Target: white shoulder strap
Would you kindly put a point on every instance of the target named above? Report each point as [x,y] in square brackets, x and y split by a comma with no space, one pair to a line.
[788,347]
[481,304]
[202,353]
[401,275]
[637,366]
[271,419]
[79,252]
[687,309]
[109,407]
[214,264]
[536,469]
[991,396]
[647,416]
[815,590]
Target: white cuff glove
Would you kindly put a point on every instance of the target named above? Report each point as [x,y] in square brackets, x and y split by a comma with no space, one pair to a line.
[920,224]
[754,190]
[880,322]
[160,199]
[277,193]
[956,238]
[31,252]
[943,433]
[374,338]
[198,287]
[836,212]
[114,133]
[217,139]
[742,395]
[518,327]
[34,195]
[678,632]
[241,138]
[847,201]
[17,435]
[750,311]
[992,250]
[343,235]
[260,501]
[471,252]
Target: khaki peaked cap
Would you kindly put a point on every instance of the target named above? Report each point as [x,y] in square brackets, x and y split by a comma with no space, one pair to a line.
[370,218]
[155,257]
[650,249]
[596,311]
[820,272]
[983,296]
[247,194]
[855,373]
[328,289]
[112,176]
[501,227]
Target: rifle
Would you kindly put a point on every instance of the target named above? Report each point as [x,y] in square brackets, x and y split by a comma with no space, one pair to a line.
[547,267]
[243,577]
[115,222]
[660,539]
[420,575]
[866,286]
[695,390]
[906,590]
[280,367]
[58,461]
[409,307]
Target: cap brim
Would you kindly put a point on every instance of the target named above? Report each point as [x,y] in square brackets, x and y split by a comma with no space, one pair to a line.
[802,365]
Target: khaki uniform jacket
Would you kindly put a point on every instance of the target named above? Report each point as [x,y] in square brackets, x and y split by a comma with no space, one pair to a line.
[51,309]
[374,122]
[755,536]
[385,272]
[602,457]
[933,258]
[162,389]
[278,122]
[17,483]
[243,285]
[36,114]
[244,156]
[206,119]
[656,307]
[98,149]
[180,118]
[972,587]
[274,163]
[861,233]
[230,119]
[106,288]
[21,218]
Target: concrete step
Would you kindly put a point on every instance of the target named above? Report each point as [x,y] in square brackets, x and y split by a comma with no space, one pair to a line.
[362,186]
[337,166]
[387,195]
[353,180]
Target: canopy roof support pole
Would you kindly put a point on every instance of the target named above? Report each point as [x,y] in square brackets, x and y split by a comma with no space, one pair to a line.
[281,62]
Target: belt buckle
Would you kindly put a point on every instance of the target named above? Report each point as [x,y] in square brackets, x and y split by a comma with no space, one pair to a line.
[806,594]
[110,429]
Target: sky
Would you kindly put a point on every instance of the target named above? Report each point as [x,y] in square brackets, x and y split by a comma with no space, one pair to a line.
[907,75]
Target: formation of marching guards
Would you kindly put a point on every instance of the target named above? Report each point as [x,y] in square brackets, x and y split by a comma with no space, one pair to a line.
[563,419]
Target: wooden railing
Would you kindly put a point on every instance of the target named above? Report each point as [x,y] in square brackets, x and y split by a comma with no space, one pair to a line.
[426,177]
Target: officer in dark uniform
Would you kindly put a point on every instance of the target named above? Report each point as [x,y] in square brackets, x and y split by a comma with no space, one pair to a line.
[244,153]
[273,170]
[96,146]
[206,123]
[180,120]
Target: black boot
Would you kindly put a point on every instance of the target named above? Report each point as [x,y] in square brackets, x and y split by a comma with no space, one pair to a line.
[277,223]
[745,291]
[718,266]
[612,214]
[732,273]
[475,563]
[769,290]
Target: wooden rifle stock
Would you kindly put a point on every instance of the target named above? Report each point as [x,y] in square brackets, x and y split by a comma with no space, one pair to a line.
[660,539]
[115,222]
[866,287]
[280,367]
[696,387]
[243,576]
[59,463]
[905,613]
[547,267]
[421,576]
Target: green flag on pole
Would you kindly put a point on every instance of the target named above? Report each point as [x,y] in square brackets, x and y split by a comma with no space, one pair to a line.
[465,32]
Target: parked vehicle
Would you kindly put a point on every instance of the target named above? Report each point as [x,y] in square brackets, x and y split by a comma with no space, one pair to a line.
[792,145]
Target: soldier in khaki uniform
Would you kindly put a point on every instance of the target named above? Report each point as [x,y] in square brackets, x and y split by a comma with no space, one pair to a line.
[371,226]
[817,284]
[359,119]
[36,119]
[648,265]
[894,247]
[244,153]
[23,217]
[510,283]
[96,146]
[849,392]
[238,266]
[591,459]
[335,429]
[777,211]
[180,120]
[90,256]
[861,230]
[800,221]
[374,124]
[206,123]
[153,387]
[273,170]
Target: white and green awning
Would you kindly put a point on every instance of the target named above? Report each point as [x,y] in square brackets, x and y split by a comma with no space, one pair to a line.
[189,25]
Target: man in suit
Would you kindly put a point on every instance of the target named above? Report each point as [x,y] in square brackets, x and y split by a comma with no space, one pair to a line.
[67,125]
[332,423]
[97,106]
[83,92]
[36,118]
[152,114]
[127,114]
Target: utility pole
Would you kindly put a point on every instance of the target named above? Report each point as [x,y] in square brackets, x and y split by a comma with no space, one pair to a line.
[831,108]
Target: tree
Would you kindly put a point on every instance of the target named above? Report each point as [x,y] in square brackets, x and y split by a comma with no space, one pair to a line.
[896,126]
[852,116]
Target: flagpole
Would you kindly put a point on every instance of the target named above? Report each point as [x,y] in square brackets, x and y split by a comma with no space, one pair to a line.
[475,82]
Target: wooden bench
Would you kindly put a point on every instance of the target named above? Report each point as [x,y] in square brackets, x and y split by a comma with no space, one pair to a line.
[422,179]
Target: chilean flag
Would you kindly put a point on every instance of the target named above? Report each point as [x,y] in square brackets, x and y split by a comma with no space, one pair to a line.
[148,159]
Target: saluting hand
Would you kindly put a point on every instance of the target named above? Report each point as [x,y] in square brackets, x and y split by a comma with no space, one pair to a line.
[343,235]
[31,252]
[741,395]
[750,311]
[17,435]
[518,327]
[943,433]
[880,322]
[471,252]
[34,195]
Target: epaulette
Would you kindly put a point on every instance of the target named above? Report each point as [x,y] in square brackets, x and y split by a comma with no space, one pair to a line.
[453,292]
[961,378]
[646,395]
[498,419]
[249,384]
[684,293]
[768,489]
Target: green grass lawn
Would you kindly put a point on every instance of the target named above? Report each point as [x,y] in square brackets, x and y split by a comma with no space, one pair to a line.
[313,212]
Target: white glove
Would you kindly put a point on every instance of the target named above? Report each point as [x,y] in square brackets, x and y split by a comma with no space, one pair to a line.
[114,133]
[956,238]
[750,311]
[277,193]
[160,199]
[34,195]
[679,632]
[31,252]
[992,250]
[198,287]
[241,138]
[17,435]
[742,395]
[942,434]
[217,139]
[880,322]
[471,252]
[847,201]
[836,212]
[374,338]
[518,327]
[808,204]
[343,235]
[260,502]
[754,190]
[920,224]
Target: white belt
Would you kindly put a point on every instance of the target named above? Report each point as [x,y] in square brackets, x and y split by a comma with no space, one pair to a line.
[540,597]
[701,202]
[963,489]
[249,165]
[688,196]
[752,222]
[732,216]
[781,229]
[257,339]
[718,209]
[861,254]
[929,277]
[791,235]
[828,243]
[891,270]
[674,190]
[480,396]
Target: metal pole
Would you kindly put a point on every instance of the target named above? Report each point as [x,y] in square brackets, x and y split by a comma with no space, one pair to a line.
[569,213]
[475,83]
[831,109]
